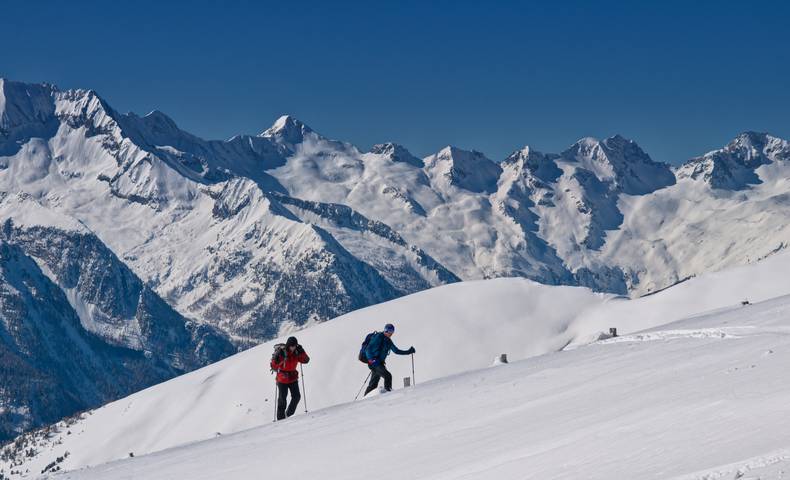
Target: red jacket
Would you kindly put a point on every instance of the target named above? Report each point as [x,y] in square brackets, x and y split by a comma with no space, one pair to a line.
[285,366]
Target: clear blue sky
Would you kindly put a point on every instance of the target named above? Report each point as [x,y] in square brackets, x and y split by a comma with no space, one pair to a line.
[679,77]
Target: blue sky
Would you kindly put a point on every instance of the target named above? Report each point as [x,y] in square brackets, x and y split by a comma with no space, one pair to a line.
[680,78]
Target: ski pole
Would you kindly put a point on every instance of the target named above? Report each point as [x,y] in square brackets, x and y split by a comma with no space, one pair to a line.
[414,380]
[276,395]
[363,386]
[304,389]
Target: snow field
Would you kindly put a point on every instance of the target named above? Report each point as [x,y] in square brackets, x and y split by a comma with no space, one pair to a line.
[455,329]
[686,406]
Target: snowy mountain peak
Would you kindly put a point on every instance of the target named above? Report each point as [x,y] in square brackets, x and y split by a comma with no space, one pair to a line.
[396,153]
[470,170]
[589,153]
[283,122]
[287,129]
[519,158]
[734,166]
[622,162]
[530,162]
[86,109]
[617,139]
[161,122]
[750,136]
[759,148]
[610,150]
[587,143]
[620,149]
[464,157]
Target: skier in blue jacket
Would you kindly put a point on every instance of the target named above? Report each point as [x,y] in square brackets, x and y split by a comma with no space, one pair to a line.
[376,352]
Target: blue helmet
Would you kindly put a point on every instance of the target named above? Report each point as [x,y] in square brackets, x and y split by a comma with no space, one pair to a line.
[389,328]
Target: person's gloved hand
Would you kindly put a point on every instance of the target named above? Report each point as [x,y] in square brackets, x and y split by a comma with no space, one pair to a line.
[373,362]
[412,350]
[299,350]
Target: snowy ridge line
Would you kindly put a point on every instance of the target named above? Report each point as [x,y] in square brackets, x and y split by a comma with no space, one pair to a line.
[347,217]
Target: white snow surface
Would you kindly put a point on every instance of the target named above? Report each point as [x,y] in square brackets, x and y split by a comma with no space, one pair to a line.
[682,407]
[627,407]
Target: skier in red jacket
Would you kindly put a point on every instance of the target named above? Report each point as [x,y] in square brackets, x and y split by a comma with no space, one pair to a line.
[284,362]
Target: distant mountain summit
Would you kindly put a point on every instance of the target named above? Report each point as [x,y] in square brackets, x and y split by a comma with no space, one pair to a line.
[470,171]
[734,167]
[177,250]
[287,130]
[396,153]
[621,162]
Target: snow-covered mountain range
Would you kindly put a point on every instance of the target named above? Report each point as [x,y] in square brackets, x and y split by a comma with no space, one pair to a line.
[172,247]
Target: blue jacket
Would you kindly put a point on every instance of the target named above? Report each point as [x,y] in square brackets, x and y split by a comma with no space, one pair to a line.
[379,347]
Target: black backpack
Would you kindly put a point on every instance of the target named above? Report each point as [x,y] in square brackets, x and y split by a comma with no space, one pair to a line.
[362,357]
[279,353]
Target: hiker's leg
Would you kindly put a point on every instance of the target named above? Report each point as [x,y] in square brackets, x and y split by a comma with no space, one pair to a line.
[374,380]
[295,397]
[282,391]
[387,378]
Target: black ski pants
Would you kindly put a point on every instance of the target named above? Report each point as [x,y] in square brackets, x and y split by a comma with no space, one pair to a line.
[282,392]
[376,373]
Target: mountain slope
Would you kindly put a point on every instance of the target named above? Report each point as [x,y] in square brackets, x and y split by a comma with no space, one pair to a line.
[734,167]
[50,366]
[77,317]
[112,303]
[693,226]
[697,399]
[451,327]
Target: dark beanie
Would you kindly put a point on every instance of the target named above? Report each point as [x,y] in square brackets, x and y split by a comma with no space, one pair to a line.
[291,342]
